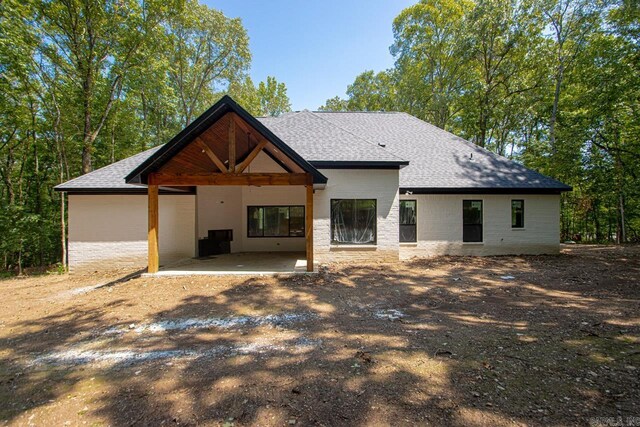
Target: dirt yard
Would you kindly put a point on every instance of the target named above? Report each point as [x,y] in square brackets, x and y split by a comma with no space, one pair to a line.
[552,340]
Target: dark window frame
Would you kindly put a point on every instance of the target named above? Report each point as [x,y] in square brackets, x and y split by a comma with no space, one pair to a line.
[466,225]
[304,220]
[375,225]
[415,224]
[512,216]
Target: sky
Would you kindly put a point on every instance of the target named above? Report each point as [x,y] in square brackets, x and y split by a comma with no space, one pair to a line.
[316,47]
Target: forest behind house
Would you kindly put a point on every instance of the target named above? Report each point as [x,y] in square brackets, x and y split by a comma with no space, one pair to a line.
[554,84]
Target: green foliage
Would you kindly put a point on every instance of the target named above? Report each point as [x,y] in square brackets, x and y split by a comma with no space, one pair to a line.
[273,97]
[86,83]
[369,92]
[268,99]
[204,49]
[335,104]
[431,58]
[551,83]
[246,94]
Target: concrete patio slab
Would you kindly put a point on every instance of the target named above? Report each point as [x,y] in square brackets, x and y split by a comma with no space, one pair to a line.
[244,263]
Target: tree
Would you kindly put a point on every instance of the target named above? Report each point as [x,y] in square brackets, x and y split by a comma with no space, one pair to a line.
[268,99]
[335,104]
[206,51]
[86,83]
[246,94]
[372,92]
[273,97]
[571,22]
[431,58]
[95,45]
[503,37]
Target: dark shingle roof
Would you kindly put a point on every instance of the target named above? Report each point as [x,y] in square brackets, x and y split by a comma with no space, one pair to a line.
[438,160]
[319,140]
[110,177]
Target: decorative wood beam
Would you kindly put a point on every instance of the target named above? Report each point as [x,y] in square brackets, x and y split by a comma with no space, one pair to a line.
[228,179]
[255,134]
[219,164]
[152,237]
[252,155]
[309,223]
[240,123]
[232,144]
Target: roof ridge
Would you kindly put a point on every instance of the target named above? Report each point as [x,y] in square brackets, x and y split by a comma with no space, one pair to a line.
[358,112]
[281,118]
[378,146]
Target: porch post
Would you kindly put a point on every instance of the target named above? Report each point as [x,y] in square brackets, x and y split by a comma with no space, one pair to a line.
[309,222]
[154,261]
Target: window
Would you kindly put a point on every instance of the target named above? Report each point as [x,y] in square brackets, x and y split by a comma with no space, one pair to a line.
[472,220]
[275,221]
[353,221]
[517,214]
[408,221]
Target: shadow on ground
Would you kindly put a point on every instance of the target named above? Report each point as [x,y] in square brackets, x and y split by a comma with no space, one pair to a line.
[448,341]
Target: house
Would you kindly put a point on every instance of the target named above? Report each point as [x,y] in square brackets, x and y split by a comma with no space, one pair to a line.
[342,186]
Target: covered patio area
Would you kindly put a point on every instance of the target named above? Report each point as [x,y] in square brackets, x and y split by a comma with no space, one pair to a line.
[243,263]
[228,148]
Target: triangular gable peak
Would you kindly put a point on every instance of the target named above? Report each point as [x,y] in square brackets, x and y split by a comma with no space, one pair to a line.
[218,148]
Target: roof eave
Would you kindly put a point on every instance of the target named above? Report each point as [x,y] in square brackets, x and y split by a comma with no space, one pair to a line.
[484,190]
[120,191]
[331,164]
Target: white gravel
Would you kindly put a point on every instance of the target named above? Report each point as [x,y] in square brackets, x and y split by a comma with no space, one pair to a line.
[389,314]
[183,324]
[127,356]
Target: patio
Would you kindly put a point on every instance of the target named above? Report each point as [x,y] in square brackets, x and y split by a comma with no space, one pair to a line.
[243,263]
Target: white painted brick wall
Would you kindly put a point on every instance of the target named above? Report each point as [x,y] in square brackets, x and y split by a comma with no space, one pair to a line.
[381,185]
[440,226]
[225,207]
[110,231]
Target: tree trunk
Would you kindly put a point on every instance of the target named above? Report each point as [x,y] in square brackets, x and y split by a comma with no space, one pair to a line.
[621,235]
[596,221]
[87,141]
[609,224]
[554,110]
[20,261]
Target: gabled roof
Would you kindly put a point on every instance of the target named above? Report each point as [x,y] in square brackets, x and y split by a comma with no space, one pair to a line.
[430,159]
[225,105]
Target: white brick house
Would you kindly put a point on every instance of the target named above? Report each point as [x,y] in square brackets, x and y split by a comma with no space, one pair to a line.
[340,186]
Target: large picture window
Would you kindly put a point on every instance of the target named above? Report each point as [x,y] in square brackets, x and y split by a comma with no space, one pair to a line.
[275,221]
[472,220]
[353,221]
[408,214]
[517,214]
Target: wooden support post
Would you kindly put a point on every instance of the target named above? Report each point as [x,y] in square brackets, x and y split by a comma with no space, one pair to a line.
[232,145]
[154,259]
[309,223]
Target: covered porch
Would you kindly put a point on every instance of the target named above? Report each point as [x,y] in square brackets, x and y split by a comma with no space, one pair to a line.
[227,148]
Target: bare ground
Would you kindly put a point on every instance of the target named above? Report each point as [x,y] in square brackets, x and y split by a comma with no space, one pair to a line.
[443,341]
